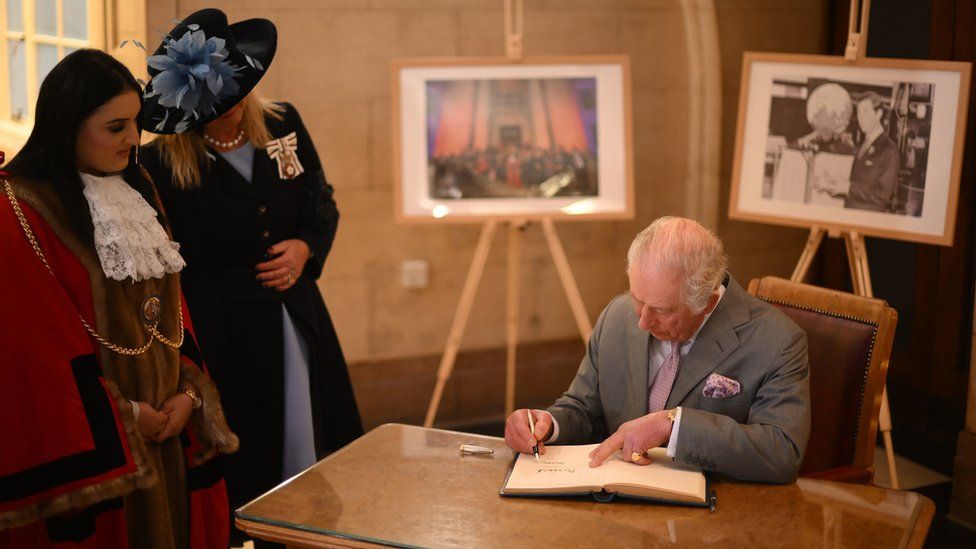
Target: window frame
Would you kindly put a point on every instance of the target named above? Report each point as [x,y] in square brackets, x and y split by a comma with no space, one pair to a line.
[102,15]
[18,129]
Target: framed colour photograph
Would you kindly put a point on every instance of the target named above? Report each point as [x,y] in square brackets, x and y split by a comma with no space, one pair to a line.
[873,146]
[485,138]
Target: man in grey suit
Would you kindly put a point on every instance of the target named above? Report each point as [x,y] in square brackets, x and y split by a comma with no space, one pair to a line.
[689,360]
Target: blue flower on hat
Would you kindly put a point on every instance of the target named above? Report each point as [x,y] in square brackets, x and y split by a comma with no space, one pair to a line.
[194,75]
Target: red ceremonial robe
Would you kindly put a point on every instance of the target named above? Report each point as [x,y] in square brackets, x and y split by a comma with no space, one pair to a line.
[74,470]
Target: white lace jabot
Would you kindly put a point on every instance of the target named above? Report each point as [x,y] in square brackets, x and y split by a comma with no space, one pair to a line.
[129,240]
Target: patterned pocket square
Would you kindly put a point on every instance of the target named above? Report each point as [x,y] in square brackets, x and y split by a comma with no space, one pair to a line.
[719,386]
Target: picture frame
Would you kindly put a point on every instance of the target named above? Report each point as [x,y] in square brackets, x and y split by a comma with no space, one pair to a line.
[487,138]
[873,146]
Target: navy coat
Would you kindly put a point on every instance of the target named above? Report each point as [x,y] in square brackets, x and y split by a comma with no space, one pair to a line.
[874,177]
[225,227]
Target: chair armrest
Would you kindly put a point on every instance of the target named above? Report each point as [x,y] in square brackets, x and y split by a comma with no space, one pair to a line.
[847,473]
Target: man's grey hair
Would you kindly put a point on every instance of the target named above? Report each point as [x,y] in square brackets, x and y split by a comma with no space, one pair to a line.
[681,247]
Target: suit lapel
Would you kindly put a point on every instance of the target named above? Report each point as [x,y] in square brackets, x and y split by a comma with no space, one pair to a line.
[638,350]
[716,341]
[264,171]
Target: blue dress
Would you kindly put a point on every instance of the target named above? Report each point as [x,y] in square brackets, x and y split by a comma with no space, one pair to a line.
[299,451]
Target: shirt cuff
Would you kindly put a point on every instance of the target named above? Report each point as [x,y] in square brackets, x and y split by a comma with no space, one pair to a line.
[555,427]
[673,441]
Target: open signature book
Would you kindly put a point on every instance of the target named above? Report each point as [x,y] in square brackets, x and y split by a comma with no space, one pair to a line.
[565,471]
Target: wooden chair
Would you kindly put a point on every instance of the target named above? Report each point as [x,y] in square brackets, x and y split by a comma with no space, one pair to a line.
[849,338]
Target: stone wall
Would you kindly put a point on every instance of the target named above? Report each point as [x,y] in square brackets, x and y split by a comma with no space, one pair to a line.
[333,63]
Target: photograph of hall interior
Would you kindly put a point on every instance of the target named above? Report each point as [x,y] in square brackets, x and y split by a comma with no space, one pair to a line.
[244,334]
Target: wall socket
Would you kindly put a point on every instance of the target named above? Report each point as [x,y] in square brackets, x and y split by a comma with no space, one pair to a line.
[414,274]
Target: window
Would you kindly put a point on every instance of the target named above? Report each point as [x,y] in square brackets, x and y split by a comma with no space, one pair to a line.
[36,34]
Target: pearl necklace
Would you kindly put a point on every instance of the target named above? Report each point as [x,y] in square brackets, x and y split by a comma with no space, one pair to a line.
[225,144]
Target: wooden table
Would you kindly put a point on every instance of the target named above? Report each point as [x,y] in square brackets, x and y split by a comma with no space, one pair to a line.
[401,485]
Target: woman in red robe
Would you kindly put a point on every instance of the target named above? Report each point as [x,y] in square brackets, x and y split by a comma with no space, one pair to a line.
[109,420]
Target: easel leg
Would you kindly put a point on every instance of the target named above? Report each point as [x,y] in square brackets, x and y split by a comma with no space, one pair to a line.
[809,251]
[857,282]
[861,279]
[461,318]
[512,312]
[569,283]
[884,424]
[862,263]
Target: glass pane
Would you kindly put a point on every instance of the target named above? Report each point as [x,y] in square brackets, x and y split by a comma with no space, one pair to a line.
[68,50]
[15,15]
[47,57]
[18,79]
[46,17]
[75,13]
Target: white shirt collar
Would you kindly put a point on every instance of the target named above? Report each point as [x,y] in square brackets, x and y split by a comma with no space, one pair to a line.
[871,137]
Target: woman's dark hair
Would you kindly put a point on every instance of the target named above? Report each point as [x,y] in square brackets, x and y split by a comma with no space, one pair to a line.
[74,89]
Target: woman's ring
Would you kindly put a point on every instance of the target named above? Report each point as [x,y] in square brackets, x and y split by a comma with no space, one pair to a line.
[288,276]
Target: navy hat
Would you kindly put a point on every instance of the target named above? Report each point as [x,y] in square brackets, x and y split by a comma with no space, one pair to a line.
[203,68]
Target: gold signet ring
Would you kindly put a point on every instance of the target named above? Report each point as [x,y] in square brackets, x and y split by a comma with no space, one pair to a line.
[634,456]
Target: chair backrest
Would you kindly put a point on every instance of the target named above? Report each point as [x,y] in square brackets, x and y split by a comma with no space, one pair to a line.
[849,339]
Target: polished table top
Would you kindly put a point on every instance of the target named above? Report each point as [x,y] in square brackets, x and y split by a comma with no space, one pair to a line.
[409,486]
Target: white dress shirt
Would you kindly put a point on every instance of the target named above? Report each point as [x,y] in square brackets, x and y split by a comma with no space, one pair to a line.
[869,140]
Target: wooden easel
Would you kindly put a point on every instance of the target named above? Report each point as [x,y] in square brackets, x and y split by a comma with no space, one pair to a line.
[857,259]
[861,280]
[516,228]
[513,50]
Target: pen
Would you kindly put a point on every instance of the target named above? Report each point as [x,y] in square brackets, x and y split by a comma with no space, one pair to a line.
[535,447]
[472,449]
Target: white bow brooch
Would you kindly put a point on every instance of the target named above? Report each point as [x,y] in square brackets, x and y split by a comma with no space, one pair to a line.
[282,150]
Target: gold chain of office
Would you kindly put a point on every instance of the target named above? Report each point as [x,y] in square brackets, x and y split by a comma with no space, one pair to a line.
[149,324]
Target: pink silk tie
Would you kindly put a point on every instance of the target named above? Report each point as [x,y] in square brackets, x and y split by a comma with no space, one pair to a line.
[661,388]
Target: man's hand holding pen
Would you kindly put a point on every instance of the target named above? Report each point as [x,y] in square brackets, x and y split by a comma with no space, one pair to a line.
[520,438]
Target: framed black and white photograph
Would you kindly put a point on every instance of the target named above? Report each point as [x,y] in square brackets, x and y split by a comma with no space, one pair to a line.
[873,146]
[486,138]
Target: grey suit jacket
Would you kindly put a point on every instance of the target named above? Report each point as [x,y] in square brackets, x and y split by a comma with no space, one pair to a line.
[759,434]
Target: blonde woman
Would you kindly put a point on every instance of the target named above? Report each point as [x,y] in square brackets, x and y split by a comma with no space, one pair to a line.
[246,196]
